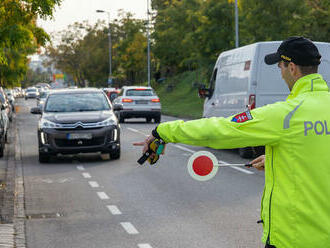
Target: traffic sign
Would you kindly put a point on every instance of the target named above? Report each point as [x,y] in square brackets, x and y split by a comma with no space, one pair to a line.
[203,165]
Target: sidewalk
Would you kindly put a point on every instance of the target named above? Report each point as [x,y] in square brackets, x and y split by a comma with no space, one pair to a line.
[12,216]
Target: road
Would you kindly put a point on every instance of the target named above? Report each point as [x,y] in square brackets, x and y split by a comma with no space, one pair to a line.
[86,201]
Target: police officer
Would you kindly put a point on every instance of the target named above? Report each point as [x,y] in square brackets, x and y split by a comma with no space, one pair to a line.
[296,133]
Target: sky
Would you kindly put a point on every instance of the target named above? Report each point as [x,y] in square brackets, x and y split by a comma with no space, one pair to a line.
[72,11]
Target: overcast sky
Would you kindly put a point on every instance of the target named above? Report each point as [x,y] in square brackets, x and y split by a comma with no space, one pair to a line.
[72,11]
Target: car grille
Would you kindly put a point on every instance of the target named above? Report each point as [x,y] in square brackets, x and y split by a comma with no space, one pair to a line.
[80,142]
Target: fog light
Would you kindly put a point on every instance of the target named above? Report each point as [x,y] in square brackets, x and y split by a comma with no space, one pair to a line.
[115,134]
[42,137]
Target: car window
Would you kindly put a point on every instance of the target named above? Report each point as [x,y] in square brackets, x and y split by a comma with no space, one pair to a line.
[43,94]
[77,102]
[139,92]
[31,90]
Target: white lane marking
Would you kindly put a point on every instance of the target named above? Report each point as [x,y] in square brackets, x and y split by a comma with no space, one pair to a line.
[113,209]
[93,184]
[184,148]
[103,195]
[86,175]
[192,151]
[129,228]
[237,168]
[144,246]
[137,131]
[81,168]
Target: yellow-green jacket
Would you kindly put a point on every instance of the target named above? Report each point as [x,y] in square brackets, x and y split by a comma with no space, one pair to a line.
[295,207]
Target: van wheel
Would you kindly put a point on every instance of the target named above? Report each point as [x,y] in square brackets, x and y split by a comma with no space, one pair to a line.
[2,150]
[246,152]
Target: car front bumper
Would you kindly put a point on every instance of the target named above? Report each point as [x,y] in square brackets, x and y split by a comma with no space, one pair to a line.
[54,141]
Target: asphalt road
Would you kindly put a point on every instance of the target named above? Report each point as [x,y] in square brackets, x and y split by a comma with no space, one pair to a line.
[86,201]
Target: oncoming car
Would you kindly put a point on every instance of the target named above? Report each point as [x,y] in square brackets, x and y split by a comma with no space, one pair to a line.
[77,121]
[138,102]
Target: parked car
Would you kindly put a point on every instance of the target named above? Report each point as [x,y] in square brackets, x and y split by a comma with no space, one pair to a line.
[41,99]
[77,121]
[7,108]
[242,80]
[138,102]
[31,92]
[11,98]
[3,131]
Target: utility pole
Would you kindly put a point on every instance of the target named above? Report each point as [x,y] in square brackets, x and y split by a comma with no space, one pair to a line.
[236,24]
[148,24]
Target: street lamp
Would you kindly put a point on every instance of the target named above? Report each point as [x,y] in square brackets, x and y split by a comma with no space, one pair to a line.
[236,23]
[148,44]
[110,46]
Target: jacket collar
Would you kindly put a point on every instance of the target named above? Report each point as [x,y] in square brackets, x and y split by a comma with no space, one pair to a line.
[309,83]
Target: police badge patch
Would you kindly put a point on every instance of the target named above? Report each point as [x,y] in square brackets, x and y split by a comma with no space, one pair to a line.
[242,117]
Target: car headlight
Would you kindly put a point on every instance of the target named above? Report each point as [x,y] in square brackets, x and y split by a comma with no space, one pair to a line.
[108,122]
[47,124]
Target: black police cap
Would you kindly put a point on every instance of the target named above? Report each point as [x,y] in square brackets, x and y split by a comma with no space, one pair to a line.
[298,50]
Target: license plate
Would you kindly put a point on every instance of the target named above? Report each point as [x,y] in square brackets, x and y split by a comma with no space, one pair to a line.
[141,102]
[74,136]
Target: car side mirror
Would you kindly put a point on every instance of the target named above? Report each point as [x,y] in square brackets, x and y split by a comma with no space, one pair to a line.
[203,92]
[36,111]
[117,107]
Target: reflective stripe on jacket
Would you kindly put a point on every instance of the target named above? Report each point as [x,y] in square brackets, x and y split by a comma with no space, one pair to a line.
[295,206]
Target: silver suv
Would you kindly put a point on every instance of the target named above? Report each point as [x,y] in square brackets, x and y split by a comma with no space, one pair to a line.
[138,102]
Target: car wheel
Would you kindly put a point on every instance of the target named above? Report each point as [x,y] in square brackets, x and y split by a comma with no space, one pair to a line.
[246,152]
[148,119]
[2,148]
[157,119]
[44,157]
[115,154]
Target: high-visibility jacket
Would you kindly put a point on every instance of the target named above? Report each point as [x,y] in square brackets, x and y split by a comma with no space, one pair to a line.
[295,206]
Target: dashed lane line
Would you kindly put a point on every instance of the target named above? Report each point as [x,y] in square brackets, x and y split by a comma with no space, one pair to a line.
[129,228]
[80,168]
[144,246]
[192,151]
[86,175]
[103,195]
[93,184]
[114,209]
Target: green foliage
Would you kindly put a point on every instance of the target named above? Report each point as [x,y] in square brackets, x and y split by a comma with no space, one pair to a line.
[179,95]
[19,35]
[83,52]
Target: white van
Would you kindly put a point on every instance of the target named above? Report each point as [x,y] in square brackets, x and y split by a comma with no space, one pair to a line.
[241,78]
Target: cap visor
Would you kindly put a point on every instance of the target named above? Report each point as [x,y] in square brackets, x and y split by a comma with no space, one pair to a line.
[272,58]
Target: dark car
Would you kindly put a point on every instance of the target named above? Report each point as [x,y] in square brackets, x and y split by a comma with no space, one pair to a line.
[77,121]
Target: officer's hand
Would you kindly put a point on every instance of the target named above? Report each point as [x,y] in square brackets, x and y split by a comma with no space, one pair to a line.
[145,143]
[259,163]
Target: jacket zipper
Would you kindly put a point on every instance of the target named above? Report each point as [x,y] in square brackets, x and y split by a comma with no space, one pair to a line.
[270,198]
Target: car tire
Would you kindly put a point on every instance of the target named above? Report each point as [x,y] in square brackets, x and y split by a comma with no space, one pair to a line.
[246,152]
[115,154]
[44,157]
[148,119]
[2,149]
[157,119]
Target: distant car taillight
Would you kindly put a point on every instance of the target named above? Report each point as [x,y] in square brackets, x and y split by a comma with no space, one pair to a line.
[155,100]
[252,102]
[126,100]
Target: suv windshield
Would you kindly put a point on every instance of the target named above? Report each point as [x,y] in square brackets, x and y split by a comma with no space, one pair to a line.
[139,92]
[77,102]
[31,90]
